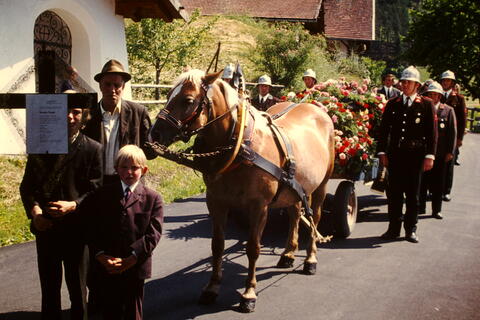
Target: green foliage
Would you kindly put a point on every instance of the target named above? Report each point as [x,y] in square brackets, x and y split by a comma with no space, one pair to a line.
[445,35]
[285,51]
[375,69]
[392,19]
[154,45]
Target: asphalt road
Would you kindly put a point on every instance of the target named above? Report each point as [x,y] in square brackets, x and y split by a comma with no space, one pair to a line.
[361,277]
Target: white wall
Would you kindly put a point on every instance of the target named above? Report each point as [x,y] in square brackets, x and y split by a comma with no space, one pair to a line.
[97,36]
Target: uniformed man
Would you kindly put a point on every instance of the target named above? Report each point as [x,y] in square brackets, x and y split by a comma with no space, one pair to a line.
[310,79]
[406,146]
[457,102]
[264,100]
[388,90]
[434,180]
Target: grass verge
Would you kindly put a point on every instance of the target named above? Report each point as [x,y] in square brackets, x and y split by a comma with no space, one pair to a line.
[170,179]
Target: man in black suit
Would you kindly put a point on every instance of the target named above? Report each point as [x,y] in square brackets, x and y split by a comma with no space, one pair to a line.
[406,146]
[264,100]
[457,102]
[116,122]
[388,90]
[434,180]
[52,188]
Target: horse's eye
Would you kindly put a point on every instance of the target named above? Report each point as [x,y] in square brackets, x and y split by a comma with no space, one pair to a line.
[189,100]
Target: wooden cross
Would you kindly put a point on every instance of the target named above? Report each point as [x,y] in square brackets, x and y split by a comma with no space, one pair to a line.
[46,80]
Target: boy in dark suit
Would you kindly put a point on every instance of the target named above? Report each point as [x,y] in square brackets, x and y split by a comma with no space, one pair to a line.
[125,225]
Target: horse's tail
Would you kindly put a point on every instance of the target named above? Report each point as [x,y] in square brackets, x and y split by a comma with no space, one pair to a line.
[331,150]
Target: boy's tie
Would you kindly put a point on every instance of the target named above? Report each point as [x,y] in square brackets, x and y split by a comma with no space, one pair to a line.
[128,192]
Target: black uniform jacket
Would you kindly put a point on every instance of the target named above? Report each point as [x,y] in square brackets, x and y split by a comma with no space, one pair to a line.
[263,106]
[133,129]
[457,102]
[447,131]
[70,177]
[408,128]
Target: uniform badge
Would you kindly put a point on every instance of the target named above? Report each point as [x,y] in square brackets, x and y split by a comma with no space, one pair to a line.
[417,121]
[442,125]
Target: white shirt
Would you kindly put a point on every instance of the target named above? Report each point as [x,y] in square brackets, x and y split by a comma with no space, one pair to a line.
[111,123]
[447,93]
[262,99]
[388,91]
[132,187]
[411,99]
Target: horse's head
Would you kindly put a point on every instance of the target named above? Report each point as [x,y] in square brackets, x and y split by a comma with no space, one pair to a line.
[188,108]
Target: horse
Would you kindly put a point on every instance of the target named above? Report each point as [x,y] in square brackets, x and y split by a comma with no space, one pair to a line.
[205,105]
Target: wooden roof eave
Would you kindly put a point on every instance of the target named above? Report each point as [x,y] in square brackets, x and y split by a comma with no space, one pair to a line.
[161,9]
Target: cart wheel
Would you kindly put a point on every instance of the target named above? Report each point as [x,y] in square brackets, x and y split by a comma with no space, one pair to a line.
[345,209]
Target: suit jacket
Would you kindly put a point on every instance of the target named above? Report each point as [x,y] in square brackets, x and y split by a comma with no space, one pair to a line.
[118,227]
[447,131]
[70,177]
[263,106]
[395,92]
[408,128]
[457,102]
[133,129]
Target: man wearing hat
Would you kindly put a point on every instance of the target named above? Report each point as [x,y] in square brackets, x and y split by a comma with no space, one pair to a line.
[457,102]
[227,74]
[116,122]
[52,188]
[434,180]
[264,100]
[406,146]
[310,79]
[388,90]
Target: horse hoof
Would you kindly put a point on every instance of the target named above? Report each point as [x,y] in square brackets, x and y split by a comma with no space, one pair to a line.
[310,268]
[247,305]
[207,297]
[285,262]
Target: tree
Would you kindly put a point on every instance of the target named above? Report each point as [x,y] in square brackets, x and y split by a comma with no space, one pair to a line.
[285,51]
[444,35]
[154,44]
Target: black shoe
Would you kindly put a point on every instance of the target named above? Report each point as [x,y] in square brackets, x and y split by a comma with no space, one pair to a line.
[457,163]
[421,211]
[390,235]
[437,215]
[411,237]
[447,197]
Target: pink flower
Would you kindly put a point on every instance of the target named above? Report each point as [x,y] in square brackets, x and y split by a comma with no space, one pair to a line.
[334,119]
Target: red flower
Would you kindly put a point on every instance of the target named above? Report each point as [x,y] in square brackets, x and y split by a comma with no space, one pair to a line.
[339,104]
[283,98]
[352,151]
[364,156]
[366,105]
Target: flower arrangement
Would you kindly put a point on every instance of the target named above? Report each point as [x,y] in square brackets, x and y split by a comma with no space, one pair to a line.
[356,113]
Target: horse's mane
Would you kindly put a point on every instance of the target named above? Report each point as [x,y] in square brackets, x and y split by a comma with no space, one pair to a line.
[196,75]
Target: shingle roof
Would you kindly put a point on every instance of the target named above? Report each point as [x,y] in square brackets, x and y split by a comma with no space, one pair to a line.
[271,9]
[338,19]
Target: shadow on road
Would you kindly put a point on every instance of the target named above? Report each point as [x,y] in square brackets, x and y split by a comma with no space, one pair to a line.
[176,296]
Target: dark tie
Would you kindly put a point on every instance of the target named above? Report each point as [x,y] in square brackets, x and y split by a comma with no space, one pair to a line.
[388,93]
[406,103]
[128,192]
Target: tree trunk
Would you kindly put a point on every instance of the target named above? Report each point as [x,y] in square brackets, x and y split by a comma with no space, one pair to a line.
[157,79]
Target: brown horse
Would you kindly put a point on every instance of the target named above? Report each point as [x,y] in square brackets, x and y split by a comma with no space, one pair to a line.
[206,105]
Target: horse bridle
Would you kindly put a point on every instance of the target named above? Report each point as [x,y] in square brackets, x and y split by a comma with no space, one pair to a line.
[183,125]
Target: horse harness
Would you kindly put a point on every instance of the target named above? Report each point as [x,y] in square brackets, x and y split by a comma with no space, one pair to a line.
[285,175]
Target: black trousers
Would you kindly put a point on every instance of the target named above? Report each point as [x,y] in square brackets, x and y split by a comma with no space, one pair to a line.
[122,296]
[434,181]
[449,173]
[55,249]
[404,174]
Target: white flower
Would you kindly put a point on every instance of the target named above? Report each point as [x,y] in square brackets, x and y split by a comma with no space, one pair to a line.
[291,95]
[337,138]
[342,156]
[338,145]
